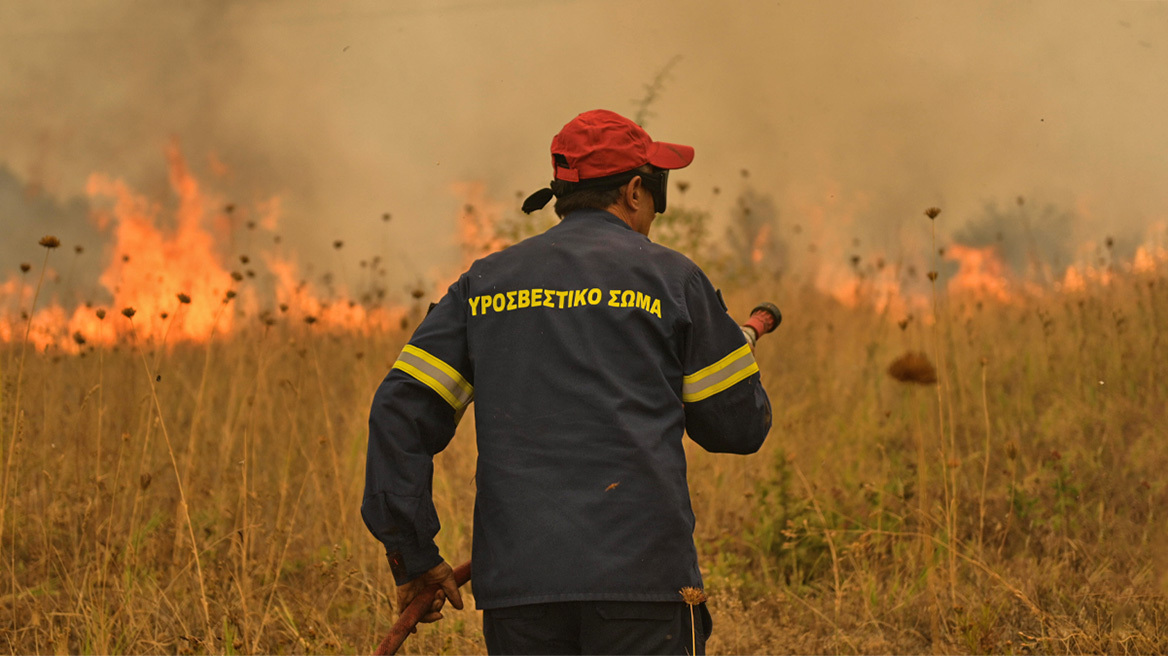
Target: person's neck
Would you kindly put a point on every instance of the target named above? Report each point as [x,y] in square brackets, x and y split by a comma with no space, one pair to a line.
[628,216]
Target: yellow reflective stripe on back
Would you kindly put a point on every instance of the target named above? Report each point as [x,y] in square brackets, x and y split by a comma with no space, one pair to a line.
[719,376]
[437,375]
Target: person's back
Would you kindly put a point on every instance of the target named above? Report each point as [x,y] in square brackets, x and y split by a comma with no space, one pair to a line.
[578,338]
[588,351]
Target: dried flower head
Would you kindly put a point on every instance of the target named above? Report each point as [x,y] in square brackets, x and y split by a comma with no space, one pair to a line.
[338,244]
[244,259]
[236,276]
[79,249]
[128,312]
[24,267]
[418,293]
[100,314]
[932,275]
[164,315]
[932,212]
[1011,449]
[283,307]
[682,186]
[183,298]
[79,338]
[913,367]
[310,320]
[692,596]
[229,295]
[49,241]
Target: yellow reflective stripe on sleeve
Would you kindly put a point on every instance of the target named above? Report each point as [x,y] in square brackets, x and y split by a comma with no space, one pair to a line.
[437,375]
[719,376]
[451,372]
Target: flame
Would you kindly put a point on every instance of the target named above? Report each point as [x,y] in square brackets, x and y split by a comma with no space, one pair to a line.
[338,314]
[150,266]
[761,241]
[1073,281]
[478,222]
[982,273]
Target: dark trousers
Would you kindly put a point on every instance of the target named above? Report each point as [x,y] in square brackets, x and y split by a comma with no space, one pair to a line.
[597,627]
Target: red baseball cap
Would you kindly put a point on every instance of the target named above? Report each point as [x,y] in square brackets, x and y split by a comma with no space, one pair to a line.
[601,143]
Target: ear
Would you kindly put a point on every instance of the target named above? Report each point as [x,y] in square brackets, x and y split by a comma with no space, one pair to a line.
[634,194]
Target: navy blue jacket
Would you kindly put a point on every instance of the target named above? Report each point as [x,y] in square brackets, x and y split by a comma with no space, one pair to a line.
[588,351]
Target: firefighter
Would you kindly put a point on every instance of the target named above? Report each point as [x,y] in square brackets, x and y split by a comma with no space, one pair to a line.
[589,352]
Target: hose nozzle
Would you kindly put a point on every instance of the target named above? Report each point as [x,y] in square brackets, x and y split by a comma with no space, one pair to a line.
[764,318]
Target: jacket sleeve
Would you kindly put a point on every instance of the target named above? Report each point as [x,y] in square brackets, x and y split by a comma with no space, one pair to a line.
[415,412]
[726,407]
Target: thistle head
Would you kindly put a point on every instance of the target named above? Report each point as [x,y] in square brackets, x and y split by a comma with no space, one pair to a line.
[128,312]
[913,367]
[49,241]
[693,596]
[932,212]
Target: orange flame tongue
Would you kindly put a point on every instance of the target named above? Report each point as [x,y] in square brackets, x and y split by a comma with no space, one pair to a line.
[150,267]
[982,273]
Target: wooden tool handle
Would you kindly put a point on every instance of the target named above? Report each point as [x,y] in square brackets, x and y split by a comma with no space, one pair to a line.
[418,608]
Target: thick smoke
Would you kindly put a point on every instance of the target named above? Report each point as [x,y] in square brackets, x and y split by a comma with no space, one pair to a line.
[851,117]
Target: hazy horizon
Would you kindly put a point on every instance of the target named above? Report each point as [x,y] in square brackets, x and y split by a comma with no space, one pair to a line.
[852,117]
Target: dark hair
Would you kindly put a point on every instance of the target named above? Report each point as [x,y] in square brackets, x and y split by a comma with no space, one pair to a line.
[592,199]
[587,199]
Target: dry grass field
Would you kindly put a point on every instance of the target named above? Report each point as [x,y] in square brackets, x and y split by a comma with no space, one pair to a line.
[204,496]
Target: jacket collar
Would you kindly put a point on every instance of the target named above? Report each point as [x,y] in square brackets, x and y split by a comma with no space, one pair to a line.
[599,215]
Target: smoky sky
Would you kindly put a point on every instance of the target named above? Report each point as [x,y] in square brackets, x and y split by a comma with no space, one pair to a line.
[851,117]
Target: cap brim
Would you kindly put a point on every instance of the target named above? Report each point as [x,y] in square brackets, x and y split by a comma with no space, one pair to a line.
[670,156]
